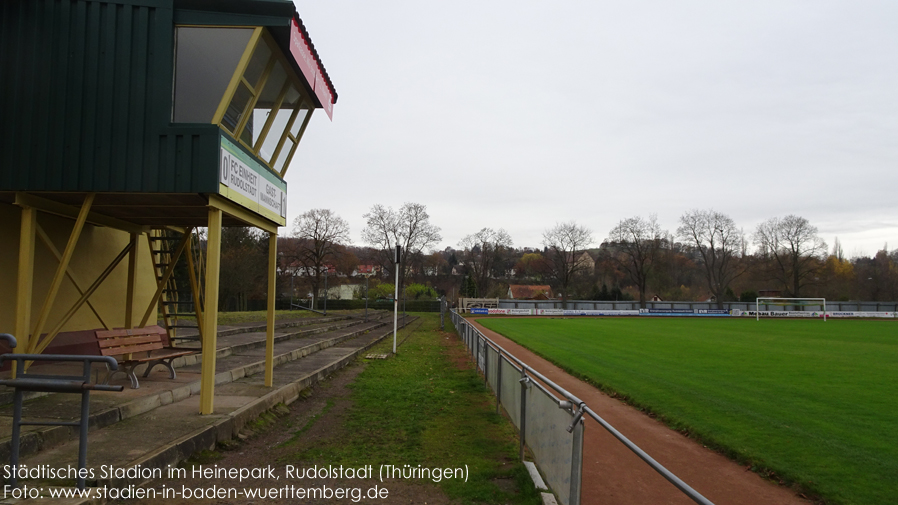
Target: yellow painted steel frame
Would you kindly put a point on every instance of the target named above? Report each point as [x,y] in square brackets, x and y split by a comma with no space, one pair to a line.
[285,136]
[234,210]
[195,291]
[210,336]
[24,278]
[296,140]
[47,242]
[295,82]
[132,282]
[29,336]
[262,36]
[60,272]
[255,90]
[269,329]
[238,75]
[61,209]
[217,207]
[263,134]
[84,296]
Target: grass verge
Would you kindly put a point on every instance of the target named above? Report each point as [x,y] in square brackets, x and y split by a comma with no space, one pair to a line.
[806,402]
[427,406]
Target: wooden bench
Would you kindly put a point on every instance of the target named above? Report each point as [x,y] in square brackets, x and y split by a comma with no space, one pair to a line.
[137,346]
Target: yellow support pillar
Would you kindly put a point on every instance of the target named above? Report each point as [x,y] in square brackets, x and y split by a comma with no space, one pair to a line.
[210,327]
[132,281]
[195,285]
[269,335]
[24,281]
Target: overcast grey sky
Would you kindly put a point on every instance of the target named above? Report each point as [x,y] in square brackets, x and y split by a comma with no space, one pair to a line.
[521,114]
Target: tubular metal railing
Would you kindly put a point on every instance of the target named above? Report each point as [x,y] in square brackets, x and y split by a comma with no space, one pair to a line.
[28,380]
[478,344]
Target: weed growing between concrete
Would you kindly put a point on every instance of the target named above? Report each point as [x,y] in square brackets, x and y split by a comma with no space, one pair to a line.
[427,406]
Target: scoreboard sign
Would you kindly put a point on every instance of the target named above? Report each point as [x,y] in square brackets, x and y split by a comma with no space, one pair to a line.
[250,184]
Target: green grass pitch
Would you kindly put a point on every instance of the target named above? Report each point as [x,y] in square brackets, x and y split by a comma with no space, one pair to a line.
[815,402]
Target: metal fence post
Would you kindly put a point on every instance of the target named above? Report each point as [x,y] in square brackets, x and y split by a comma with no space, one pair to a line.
[471,339]
[486,364]
[576,463]
[82,430]
[477,351]
[523,383]
[498,380]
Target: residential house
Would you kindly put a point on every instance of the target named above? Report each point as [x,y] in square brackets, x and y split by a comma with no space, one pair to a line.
[529,292]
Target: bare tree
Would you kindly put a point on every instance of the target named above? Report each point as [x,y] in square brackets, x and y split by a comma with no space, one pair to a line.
[715,236]
[564,241]
[321,235]
[637,241]
[837,250]
[409,227]
[792,250]
[481,251]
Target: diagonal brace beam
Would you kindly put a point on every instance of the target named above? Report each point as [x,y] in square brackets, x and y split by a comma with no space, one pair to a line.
[81,301]
[68,272]
[60,272]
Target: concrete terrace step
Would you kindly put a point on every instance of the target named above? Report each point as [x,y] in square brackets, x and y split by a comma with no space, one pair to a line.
[255,338]
[232,337]
[236,360]
[233,329]
[170,433]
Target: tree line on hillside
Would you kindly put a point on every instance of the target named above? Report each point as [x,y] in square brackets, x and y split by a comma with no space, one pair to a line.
[708,257]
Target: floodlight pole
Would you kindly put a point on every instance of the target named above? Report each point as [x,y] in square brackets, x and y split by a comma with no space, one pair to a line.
[396,296]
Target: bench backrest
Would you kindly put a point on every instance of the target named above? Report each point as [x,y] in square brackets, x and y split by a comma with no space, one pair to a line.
[118,342]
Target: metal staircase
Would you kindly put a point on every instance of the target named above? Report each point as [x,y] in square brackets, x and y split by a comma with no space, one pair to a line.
[180,306]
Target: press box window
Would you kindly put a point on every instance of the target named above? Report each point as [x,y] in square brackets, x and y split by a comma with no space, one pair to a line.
[267,108]
[205,60]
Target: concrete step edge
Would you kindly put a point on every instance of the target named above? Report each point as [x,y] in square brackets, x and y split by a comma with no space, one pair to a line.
[38,440]
[227,427]
[7,397]
[290,324]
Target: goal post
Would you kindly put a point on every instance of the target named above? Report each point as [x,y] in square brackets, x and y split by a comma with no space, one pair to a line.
[783,302]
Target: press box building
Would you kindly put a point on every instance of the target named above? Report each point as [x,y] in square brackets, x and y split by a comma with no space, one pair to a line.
[127,125]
